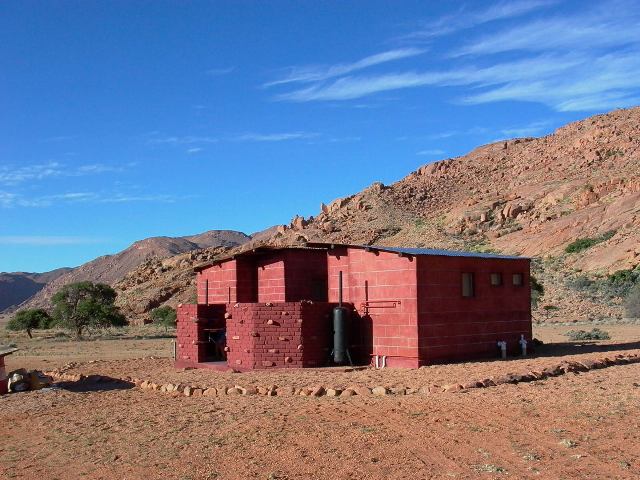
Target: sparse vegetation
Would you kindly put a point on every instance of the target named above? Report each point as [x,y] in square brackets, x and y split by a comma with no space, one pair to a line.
[83,305]
[537,291]
[612,152]
[616,285]
[29,320]
[164,316]
[583,243]
[549,309]
[594,334]
[632,303]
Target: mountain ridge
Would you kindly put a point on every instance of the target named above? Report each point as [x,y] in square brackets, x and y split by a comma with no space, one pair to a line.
[110,269]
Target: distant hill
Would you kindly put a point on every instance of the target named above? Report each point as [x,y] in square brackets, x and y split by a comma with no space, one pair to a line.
[17,287]
[110,269]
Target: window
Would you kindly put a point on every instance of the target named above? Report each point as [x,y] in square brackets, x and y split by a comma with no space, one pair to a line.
[467,284]
[517,279]
[496,279]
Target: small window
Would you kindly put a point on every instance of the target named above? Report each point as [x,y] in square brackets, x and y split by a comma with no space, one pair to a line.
[517,279]
[496,279]
[467,284]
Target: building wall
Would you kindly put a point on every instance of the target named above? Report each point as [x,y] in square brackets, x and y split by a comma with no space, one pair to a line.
[190,337]
[453,327]
[271,278]
[306,275]
[220,281]
[377,276]
[282,335]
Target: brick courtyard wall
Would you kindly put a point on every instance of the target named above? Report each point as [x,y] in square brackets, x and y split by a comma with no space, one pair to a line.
[453,327]
[279,335]
[382,329]
[3,377]
[191,319]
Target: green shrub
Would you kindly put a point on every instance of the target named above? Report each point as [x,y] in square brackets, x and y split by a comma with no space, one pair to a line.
[29,320]
[632,303]
[584,243]
[594,334]
[165,316]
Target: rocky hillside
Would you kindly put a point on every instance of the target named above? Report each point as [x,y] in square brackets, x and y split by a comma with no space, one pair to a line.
[112,268]
[528,196]
[17,287]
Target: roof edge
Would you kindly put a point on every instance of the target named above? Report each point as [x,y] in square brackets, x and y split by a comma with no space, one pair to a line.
[410,251]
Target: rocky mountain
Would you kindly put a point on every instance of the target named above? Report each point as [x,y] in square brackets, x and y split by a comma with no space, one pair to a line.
[527,196]
[112,268]
[17,287]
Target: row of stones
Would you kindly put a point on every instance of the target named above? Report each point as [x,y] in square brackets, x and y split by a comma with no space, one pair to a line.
[319,390]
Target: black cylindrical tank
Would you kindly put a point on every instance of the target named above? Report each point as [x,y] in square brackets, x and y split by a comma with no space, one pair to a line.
[340,334]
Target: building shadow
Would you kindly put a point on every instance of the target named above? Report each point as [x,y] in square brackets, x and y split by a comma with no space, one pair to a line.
[578,348]
[94,383]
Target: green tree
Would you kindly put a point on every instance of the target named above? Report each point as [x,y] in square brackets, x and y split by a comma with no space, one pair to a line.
[165,316]
[81,305]
[29,320]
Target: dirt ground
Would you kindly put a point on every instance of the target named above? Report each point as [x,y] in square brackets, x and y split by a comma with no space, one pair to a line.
[574,426]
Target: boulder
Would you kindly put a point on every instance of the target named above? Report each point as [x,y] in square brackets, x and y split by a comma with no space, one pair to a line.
[380,391]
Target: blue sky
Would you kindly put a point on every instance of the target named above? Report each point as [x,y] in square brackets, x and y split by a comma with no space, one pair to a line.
[128,119]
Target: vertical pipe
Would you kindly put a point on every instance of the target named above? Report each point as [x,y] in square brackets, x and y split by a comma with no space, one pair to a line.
[340,289]
[229,294]
[206,292]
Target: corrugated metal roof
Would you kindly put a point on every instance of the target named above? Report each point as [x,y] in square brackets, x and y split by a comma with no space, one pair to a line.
[328,246]
[445,253]
[424,251]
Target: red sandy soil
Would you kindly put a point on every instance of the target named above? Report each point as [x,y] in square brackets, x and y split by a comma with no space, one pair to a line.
[574,426]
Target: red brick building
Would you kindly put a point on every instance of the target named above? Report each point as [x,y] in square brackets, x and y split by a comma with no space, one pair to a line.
[272,307]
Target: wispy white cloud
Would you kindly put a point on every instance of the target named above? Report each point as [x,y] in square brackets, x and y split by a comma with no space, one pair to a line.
[17,200]
[58,138]
[47,240]
[273,137]
[530,130]
[184,140]
[15,175]
[430,152]
[586,61]
[152,198]
[611,24]
[194,150]
[464,19]
[359,86]
[308,74]
[218,72]
[244,137]
[604,82]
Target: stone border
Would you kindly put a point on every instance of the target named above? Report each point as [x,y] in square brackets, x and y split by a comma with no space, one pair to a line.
[358,390]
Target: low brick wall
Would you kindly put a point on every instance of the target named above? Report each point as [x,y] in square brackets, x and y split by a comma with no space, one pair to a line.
[191,319]
[282,335]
